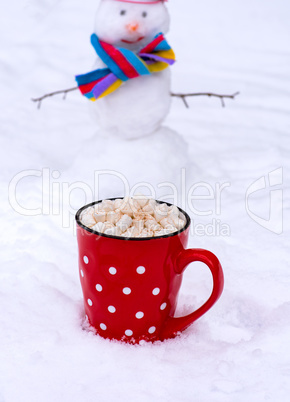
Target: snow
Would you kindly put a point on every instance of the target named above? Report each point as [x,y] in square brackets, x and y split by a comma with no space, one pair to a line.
[240,349]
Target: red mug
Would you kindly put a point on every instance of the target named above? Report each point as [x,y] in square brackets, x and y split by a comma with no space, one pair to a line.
[130,285]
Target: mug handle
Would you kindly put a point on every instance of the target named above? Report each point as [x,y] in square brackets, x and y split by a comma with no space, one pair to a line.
[177,324]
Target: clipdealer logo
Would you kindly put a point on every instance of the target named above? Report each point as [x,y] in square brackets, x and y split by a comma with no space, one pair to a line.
[56,197]
[274,197]
[202,200]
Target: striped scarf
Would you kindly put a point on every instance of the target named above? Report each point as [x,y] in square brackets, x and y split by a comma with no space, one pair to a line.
[122,65]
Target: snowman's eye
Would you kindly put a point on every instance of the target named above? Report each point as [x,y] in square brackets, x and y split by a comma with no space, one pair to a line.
[122,12]
[144,14]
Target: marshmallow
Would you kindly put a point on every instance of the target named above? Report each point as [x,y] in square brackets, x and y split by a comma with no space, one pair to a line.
[172,220]
[118,203]
[149,207]
[162,232]
[182,216]
[173,210]
[114,216]
[146,233]
[124,223]
[99,216]
[87,219]
[88,211]
[130,232]
[140,215]
[170,228]
[99,207]
[180,224]
[134,205]
[107,205]
[125,208]
[160,212]
[165,221]
[150,223]
[99,227]
[141,200]
[113,231]
[133,217]
[104,206]
[138,224]
[108,225]
[103,226]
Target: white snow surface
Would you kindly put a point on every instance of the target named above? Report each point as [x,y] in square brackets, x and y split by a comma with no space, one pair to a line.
[240,349]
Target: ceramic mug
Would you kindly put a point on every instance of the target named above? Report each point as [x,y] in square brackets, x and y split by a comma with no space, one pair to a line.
[130,285]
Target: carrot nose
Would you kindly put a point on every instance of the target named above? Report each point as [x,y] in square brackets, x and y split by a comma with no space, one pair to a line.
[132,27]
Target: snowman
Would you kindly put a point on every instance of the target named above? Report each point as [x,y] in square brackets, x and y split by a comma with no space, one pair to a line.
[136,107]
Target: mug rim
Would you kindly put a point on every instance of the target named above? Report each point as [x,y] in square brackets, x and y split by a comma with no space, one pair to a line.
[77,218]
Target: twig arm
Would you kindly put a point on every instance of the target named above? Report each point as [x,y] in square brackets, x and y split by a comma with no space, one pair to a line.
[183,96]
[63,91]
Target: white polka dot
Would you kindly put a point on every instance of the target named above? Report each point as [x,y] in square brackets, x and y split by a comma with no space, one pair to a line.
[86,260]
[156,291]
[128,332]
[163,306]
[82,273]
[112,271]
[90,303]
[140,314]
[141,270]
[127,291]
[151,330]
[99,287]
[103,326]
[112,309]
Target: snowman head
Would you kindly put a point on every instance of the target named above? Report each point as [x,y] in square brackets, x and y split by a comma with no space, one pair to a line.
[131,23]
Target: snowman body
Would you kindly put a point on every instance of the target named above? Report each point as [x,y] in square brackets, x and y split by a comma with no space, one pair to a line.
[140,105]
